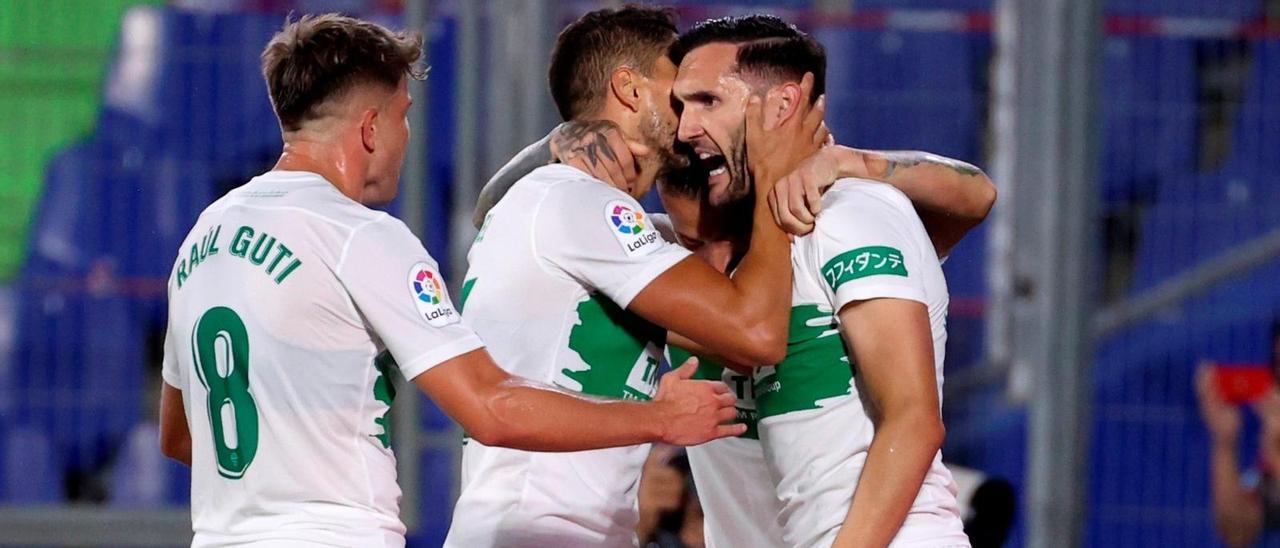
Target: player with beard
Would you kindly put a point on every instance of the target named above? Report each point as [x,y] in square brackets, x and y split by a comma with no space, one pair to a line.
[851,429]
[572,285]
[950,197]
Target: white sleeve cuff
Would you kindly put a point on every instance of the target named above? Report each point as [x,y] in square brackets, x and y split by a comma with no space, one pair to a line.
[440,354]
[850,293]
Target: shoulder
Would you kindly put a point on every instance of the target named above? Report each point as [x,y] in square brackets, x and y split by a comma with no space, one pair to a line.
[851,193]
[853,204]
[564,191]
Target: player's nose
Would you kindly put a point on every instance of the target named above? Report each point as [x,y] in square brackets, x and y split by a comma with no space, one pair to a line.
[690,128]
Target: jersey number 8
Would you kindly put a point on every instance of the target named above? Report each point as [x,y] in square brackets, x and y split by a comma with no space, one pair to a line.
[220,347]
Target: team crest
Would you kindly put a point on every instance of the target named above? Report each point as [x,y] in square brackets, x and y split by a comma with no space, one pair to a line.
[632,229]
[429,296]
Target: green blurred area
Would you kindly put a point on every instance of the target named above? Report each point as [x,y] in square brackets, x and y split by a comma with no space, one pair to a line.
[53,56]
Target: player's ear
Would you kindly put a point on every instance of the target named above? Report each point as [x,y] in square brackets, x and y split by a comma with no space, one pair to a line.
[624,84]
[368,128]
[781,103]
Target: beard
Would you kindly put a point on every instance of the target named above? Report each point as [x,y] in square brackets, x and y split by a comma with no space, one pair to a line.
[660,136]
[738,188]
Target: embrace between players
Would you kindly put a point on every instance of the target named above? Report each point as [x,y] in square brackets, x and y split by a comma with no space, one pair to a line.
[830,333]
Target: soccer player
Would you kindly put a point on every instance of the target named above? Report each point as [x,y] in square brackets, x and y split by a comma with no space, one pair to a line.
[734,483]
[291,303]
[571,284]
[851,429]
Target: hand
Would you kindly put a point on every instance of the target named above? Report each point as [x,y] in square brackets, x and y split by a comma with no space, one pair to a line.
[695,411]
[1221,418]
[776,151]
[597,148]
[797,199]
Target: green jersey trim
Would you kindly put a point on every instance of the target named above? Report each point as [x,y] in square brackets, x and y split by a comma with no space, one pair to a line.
[861,263]
[815,369]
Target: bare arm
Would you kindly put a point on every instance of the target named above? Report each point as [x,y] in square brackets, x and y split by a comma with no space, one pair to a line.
[175,437]
[1237,515]
[680,341]
[499,409]
[743,318]
[951,197]
[891,341]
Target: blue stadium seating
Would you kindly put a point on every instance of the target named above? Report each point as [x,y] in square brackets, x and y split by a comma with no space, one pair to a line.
[1256,143]
[27,462]
[1149,114]
[907,90]
[1216,9]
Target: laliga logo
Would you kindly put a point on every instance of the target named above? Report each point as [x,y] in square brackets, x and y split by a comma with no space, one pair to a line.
[626,220]
[427,286]
[427,289]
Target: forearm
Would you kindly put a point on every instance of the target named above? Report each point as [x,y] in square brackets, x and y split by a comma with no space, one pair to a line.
[1238,518]
[704,353]
[532,157]
[762,282]
[951,196]
[899,458]
[935,182]
[533,416]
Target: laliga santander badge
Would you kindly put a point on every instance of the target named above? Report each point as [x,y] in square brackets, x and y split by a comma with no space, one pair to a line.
[427,289]
[632,228]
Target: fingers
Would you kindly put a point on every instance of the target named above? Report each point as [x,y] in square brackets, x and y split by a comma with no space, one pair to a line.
[726,414]
[823,136]
[686,370]
[727,399]
[813,194]
[806,86]
[814,119]
[731,430]
[796,200]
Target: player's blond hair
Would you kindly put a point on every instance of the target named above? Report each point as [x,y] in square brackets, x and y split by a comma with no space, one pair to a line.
[319,58]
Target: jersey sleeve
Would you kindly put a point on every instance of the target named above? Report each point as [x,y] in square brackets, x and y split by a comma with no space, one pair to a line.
[867,249]
[601,238]
[398,290]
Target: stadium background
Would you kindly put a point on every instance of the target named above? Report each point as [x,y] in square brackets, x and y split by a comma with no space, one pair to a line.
[1133,142]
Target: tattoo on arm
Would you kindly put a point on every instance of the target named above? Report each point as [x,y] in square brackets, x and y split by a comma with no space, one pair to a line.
[586,139]
[905,159]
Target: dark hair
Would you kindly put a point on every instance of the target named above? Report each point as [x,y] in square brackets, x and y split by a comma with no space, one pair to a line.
[689,181]
[771,48]
[321,57]
[589,49]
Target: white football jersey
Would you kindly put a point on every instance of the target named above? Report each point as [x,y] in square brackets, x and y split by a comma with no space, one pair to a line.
[868,243]
[289,306]
[552,271]
[735,487]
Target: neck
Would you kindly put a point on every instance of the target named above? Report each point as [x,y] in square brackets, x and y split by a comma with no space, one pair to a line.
[325,159]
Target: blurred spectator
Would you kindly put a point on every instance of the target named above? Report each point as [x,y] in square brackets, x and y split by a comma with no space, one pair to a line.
[670,514]
[1244,504]
[987,504]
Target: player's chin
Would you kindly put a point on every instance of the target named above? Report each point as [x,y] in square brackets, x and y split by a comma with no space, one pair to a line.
[718,193]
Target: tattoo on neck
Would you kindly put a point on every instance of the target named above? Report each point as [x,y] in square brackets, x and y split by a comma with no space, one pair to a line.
[586,139]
